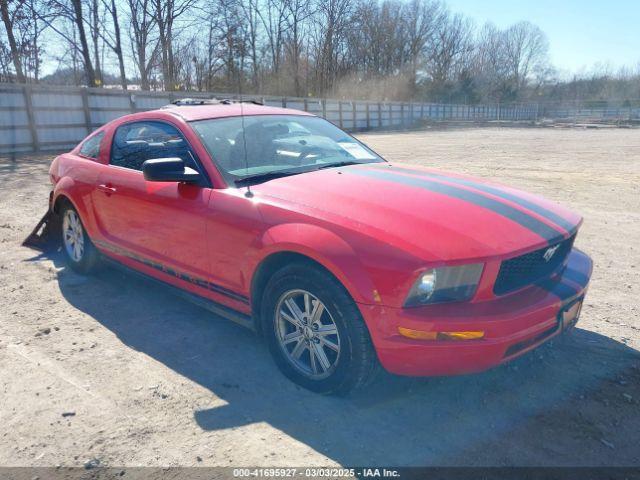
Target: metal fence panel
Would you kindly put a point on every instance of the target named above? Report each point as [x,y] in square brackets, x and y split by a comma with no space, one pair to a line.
[57,134]
[58,117]
[12,99]
[45,117]
[16,136]
[149,103]
[99,117]
[56,100]
[14,118]
[109,101]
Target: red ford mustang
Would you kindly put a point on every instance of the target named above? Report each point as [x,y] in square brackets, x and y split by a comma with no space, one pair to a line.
[279,220]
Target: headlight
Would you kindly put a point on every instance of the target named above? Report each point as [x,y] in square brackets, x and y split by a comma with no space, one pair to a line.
[445,284]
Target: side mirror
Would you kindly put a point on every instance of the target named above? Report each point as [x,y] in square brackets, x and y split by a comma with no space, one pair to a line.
[169,170]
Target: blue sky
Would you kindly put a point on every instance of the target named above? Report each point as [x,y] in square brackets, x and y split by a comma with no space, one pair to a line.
[581,33]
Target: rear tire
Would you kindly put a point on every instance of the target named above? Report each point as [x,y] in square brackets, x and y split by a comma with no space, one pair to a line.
[315,331]
[80,253]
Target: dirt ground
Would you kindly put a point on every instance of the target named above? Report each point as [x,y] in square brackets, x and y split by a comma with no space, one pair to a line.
[113,369]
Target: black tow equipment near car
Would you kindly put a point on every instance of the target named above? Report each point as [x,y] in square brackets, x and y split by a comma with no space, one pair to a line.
[45,236]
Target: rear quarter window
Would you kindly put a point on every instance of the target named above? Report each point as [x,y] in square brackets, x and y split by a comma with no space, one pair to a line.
[91,146]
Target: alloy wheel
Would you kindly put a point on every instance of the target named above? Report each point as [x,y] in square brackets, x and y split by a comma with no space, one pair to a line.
[307,334]
[73,235]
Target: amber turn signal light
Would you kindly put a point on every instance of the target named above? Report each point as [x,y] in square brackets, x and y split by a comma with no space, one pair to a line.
[421,335]
[417,334]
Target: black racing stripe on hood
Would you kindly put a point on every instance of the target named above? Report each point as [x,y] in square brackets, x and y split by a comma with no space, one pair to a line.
[543,212]
[527,221]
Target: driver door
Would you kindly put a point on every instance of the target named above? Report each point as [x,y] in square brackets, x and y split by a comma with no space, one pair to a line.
[159,223]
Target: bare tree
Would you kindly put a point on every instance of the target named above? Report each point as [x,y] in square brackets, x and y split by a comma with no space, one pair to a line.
[452,44]
[214,53]
[9,22]
[95,22]
[113,38]
[297,13]
[22,31]
[6,63]
[331,23]
[274,19]
[488,63]
[526,49]
[421,21]
[250,10]
[71,10]
[144,46]
[35,9]
[227,43]
[78,18]
[392,49]
[166,13]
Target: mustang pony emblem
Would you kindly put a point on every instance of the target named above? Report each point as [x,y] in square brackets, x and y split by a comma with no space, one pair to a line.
[550,253]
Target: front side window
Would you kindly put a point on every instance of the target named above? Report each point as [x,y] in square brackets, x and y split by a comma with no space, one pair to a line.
[91,146]
[134,143]
[244,147]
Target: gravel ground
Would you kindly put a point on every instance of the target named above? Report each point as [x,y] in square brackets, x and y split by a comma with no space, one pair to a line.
[113,369]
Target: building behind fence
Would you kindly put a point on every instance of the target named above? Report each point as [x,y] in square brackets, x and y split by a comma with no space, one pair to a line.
[39,118]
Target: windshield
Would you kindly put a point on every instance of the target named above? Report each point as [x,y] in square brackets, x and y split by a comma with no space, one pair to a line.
[274,144]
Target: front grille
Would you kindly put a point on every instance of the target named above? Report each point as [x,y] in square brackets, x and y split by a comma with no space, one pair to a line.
[526,269]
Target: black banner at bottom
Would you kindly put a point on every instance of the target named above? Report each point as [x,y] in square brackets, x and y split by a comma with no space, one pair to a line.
[403,473]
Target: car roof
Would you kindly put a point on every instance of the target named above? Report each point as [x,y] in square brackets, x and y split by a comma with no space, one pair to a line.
[191,113]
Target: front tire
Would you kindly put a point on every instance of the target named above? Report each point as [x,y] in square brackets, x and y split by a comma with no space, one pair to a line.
[79,251]
[315,331]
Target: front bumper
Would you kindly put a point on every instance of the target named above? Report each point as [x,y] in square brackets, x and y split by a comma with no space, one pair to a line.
[513,325]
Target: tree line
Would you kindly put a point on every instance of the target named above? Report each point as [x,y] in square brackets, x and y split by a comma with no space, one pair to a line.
[365,49]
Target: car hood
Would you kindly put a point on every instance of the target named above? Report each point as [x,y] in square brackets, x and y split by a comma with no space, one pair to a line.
[429,213]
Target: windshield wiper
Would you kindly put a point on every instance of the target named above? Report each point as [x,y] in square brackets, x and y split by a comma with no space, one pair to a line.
[344,163]
[263,177]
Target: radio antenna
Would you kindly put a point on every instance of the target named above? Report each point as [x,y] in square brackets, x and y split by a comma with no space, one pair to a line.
[249,193]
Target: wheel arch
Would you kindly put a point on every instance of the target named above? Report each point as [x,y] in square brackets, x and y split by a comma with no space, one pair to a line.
[268,267]
[59,201]
[62,193]
[67,191]
[317,247]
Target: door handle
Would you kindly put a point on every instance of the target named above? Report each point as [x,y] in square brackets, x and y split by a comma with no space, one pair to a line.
[108,189]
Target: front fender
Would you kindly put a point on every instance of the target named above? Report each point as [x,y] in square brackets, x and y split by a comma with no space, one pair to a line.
[64,187]
[324,247]
[78,197]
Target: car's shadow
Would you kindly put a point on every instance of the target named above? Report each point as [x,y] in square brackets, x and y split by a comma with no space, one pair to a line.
[396,421]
